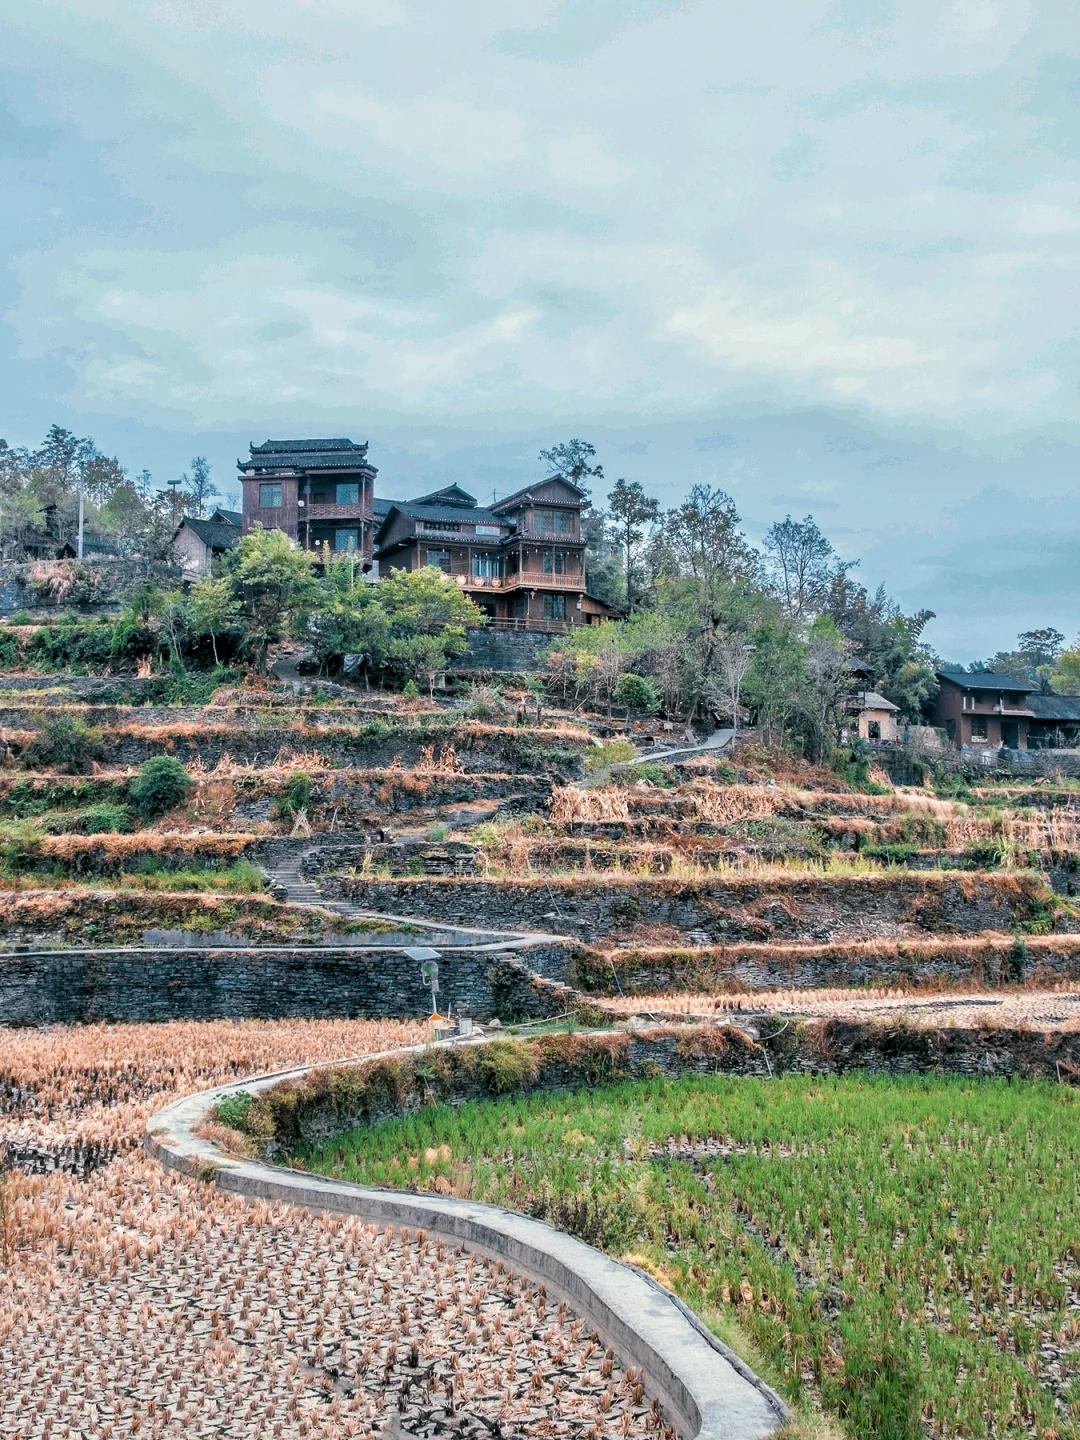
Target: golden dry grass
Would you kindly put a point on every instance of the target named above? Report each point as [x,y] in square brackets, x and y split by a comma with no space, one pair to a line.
[134,1302]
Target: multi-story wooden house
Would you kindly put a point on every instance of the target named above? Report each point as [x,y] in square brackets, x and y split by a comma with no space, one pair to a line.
[320,492]
[983,710]
[521,559]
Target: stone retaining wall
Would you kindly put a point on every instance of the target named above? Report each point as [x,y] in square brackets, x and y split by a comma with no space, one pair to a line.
[68,987]
[918,964]
[825,908]
[519,751]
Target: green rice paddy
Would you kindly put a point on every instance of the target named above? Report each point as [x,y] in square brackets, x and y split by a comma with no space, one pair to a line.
[902,1255]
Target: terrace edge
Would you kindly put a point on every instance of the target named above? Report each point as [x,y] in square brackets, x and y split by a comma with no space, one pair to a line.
[709,1391]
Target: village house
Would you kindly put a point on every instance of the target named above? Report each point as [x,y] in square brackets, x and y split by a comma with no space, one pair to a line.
[984,710]
[1056,722]
[319,492]
[874,717]
[199,542]
[521,559]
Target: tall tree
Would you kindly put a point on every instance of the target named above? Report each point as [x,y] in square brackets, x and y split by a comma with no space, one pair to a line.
[629,509]
[199,488]
[800,562]
[573,460]
[272,582]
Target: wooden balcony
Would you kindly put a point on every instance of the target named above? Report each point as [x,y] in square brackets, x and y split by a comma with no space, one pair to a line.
[537,580]
[334,512]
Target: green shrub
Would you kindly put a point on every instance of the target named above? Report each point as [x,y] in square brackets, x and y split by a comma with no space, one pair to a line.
[637,692]
[65,743]
[482,702]
[295,795]
[232,1110]
[613,752]
[411,690]
[161,784]
[20,617]
[725,773]
[654,774]
[506,1065]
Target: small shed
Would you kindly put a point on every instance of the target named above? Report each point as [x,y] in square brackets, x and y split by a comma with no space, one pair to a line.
[874,716]
[198,541]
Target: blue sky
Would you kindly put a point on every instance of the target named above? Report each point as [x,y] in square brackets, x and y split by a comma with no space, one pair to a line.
[820,252]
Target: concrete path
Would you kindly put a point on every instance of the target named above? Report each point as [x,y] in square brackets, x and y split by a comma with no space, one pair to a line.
[717,741]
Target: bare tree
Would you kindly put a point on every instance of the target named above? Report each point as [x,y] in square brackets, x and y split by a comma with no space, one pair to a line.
[200,489]
[733,656]
[800,559]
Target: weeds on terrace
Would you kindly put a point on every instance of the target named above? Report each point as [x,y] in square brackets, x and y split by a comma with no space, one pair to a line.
[903,1250]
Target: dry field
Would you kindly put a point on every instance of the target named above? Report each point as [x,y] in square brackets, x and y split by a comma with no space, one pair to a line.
[1055,1009]
[133,1302]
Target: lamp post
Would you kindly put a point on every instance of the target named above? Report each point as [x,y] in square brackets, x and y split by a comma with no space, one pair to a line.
[429,973]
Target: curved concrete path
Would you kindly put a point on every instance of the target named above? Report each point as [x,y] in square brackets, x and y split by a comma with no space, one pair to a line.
[703,1387]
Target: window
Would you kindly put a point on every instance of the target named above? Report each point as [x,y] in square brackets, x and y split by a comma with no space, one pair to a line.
[564,522]
[485,565]
[873,729]
[543,520]
[1013,701]
[440,559]
[348,493]
[978,727]
[347,539]
[554,562]
[554,607]
[440,525]
[269,497]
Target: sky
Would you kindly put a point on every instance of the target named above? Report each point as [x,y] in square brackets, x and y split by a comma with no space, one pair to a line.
[821,253]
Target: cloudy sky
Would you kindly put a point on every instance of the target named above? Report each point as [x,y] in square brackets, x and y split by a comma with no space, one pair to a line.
[820,252]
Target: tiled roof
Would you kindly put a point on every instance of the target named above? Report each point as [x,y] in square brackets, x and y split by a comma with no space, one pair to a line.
[985,680]
[473,515]
[306,455]
[213,533]
[526,491]
[231,517]
[448,495]
[1055,707]
[871,700]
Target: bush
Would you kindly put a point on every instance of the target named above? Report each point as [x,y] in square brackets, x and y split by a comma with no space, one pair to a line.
[161,784]
[66,744]
[20,617]
[411,690]
[295,795]
[506,1065]
[232,1109]
[637,692]
[482,702]
[614,752]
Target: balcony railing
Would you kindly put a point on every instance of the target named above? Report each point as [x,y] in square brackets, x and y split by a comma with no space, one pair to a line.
[547,537]
[523,580]
[537,580]
[320,511]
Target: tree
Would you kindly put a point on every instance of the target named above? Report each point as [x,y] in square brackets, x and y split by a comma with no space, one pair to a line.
[828,664]
[1065,676]
[887,641]
[800,559]
[734,654]
[573,460]
[629,509]
[381,622]
[701,538]
[1042,647]
[637,692]
[199,487]
[271,580]
[161,784]
[603,576]
[214,608]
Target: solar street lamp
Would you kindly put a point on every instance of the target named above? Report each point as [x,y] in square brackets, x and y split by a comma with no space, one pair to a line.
[429,973]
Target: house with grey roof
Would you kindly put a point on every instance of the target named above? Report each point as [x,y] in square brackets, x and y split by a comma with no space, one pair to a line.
[199,542]
[319,492]
[521,559]
[983,710]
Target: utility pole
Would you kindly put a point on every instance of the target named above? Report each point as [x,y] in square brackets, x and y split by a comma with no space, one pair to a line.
[82,518]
